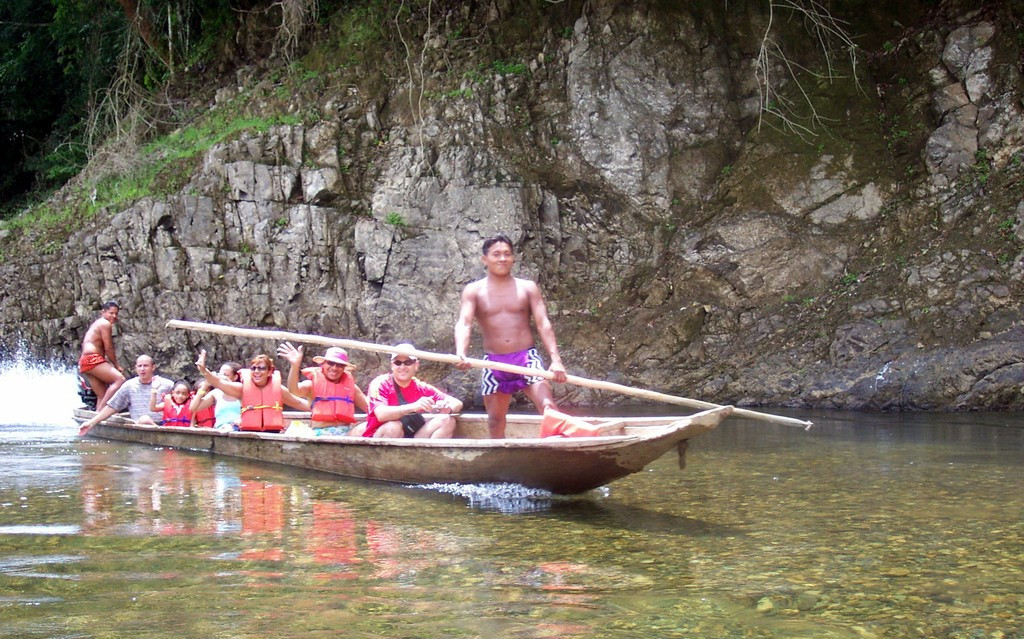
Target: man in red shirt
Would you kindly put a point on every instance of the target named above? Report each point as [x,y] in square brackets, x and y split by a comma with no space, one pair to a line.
[398,402]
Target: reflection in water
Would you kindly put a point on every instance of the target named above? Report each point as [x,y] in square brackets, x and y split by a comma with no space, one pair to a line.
[181,493]
[867,526]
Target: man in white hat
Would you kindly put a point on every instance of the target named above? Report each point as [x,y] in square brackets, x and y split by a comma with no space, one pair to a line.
[398,402]
[330,388]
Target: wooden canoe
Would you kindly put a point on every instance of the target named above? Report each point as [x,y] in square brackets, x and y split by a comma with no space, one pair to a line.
[561,465]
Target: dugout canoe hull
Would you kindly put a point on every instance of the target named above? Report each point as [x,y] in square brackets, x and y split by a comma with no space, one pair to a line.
[557,464]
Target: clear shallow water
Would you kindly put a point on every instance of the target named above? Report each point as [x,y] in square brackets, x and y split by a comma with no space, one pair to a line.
[866,526]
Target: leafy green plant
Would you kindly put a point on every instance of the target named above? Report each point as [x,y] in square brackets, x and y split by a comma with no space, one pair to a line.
[394,218]
[503,67]
[982,167]
[40,217]
[359,27]
[896,135]
[850,278]
[281,222]
[195,139]
[61,164]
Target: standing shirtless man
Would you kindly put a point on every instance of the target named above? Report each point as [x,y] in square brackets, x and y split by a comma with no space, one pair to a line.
[503,306]
[98,363]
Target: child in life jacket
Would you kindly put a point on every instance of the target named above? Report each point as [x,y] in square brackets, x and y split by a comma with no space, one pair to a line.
[203,418]
[174,405]
[227,411]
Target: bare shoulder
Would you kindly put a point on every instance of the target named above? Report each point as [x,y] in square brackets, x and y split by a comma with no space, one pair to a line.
[473,288]
[100,325]
[528,286]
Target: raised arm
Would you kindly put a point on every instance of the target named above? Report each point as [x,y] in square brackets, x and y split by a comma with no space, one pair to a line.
[201,400]
[154,405]
[231,389]
[294,357]
[545,331]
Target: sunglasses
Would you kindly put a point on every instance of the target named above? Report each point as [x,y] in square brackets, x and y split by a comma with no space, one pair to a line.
[403,362]
[260,368]
[333,364]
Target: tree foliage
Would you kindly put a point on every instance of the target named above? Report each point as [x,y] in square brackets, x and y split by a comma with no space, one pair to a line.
[61,61]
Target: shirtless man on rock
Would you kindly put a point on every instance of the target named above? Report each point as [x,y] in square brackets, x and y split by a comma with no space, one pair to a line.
[98,362]
[503,305]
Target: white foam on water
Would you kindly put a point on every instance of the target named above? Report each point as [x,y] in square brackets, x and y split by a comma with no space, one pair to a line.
[501,497]
[34,393]
[30,529]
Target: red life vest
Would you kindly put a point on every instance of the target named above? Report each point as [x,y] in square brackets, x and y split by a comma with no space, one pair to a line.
[261,407]
[207,417]
[332,401]
[176,414]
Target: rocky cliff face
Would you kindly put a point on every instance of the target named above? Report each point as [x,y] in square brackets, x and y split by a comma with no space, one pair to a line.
[683,243]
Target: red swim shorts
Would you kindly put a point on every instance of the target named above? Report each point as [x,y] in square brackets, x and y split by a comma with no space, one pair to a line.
[89,361]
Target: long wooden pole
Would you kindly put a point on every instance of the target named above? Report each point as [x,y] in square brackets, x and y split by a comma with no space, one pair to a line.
[262,333]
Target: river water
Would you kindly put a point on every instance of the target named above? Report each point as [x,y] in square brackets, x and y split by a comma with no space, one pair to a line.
[866,526]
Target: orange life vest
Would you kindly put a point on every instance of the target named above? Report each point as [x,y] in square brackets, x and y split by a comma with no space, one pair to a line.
[176,414]
[332,401]
[558,424]
[261,407]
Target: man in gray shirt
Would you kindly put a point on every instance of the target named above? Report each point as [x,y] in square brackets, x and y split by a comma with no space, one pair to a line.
[134,396]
